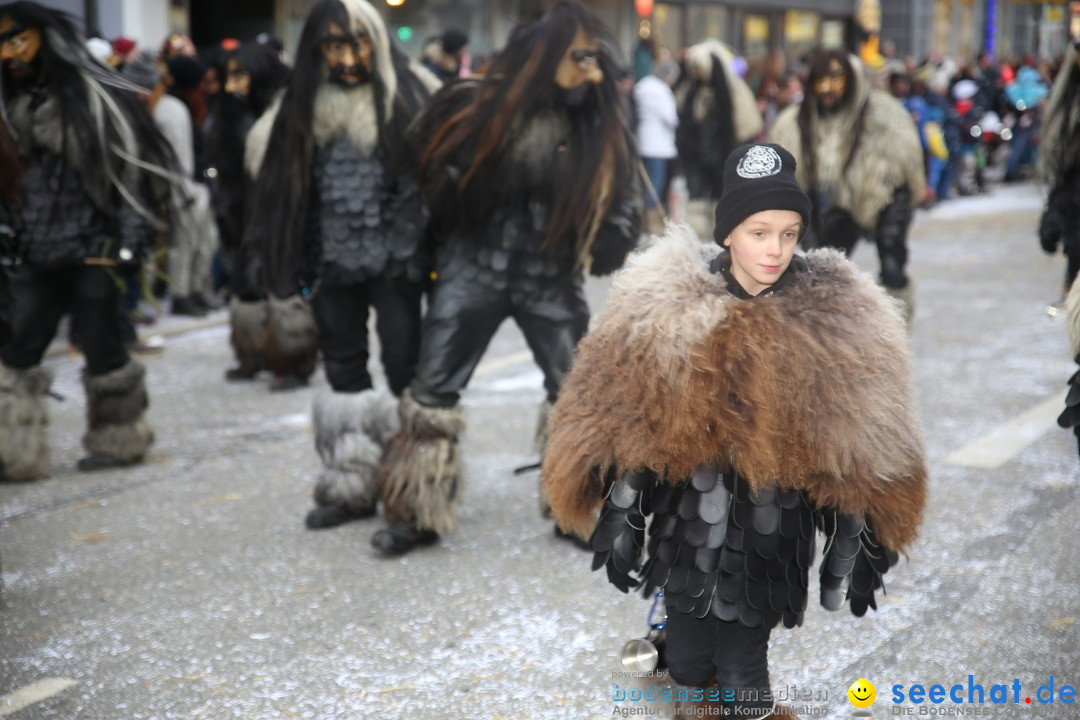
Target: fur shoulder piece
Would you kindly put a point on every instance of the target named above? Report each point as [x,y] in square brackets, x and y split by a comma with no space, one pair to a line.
[807,389]
[259,137]
[350,112]
[889,154]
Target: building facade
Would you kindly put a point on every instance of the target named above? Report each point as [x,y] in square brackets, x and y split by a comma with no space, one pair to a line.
[764,31]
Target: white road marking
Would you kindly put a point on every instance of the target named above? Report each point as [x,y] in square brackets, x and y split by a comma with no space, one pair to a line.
[35,692]
[505,361]
[999,445]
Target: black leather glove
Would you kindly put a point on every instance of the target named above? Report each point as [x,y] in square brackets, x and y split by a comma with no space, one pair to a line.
[1051,226]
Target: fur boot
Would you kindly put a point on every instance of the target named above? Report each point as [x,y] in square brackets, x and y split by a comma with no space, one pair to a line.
[421,474]
[24,419]
[293,343]
[118,433]
[350,431]
[249,325]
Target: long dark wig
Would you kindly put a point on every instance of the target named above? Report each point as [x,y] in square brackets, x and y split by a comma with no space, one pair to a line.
[114,130]
[704,145]
[232,118]
[819,68]
[12,170]
[280,197]
[518,85]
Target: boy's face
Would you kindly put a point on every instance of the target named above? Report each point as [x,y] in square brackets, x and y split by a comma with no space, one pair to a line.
[762,246]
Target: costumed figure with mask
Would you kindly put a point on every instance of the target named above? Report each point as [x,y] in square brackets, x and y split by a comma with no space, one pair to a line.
[530,175]
[253,75]
[735,400]
[717,112]
[338,222]
[1058,165]
[96,174]
[860,160]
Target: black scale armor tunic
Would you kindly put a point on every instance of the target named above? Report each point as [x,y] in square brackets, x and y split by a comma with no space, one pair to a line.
[367,226]
[715,546]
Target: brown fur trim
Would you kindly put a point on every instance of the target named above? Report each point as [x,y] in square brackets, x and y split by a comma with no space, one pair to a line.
[292,347]
[421,475]
[249,333]
[808,389]
[24,421]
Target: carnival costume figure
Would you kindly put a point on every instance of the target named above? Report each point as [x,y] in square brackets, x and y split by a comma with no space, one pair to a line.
[717,112]
[338,220]
[96,174]
[253,76]
[530,176]
[860,160]
[1059,166]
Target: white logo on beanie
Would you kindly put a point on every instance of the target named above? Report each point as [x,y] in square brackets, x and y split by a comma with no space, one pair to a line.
[758,162]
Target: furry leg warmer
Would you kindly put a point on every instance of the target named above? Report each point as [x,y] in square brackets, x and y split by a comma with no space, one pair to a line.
[350,432]
[249,326]
[115,403]
[293,343]
[421,474]
[24,419]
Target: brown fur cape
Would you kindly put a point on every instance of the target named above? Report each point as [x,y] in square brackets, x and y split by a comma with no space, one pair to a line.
[806,389]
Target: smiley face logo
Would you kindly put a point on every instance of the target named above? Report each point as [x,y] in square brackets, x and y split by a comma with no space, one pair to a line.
[862,693]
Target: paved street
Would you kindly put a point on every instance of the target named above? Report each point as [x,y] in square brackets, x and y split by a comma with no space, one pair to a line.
[189,588]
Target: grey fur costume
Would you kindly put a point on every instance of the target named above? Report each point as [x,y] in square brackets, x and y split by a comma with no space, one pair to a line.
[24,420]
[249,334]
[889,156]
[115,412]
[350,432]
[292,345]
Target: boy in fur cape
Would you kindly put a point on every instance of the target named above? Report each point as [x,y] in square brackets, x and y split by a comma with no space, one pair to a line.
[743,397]
[337,219]
[860,157]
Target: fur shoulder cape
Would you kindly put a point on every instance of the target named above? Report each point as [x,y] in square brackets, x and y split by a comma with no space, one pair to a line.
[807,389]
[336,111]
[889,154]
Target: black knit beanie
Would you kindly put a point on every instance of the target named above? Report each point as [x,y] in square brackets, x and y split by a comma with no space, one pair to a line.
[758,177]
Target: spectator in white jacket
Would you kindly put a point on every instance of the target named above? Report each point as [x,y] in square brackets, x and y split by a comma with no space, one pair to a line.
[657,119]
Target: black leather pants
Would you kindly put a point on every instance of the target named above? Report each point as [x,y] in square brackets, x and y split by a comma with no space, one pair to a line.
[464,315]
[43,296]
[341,313]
